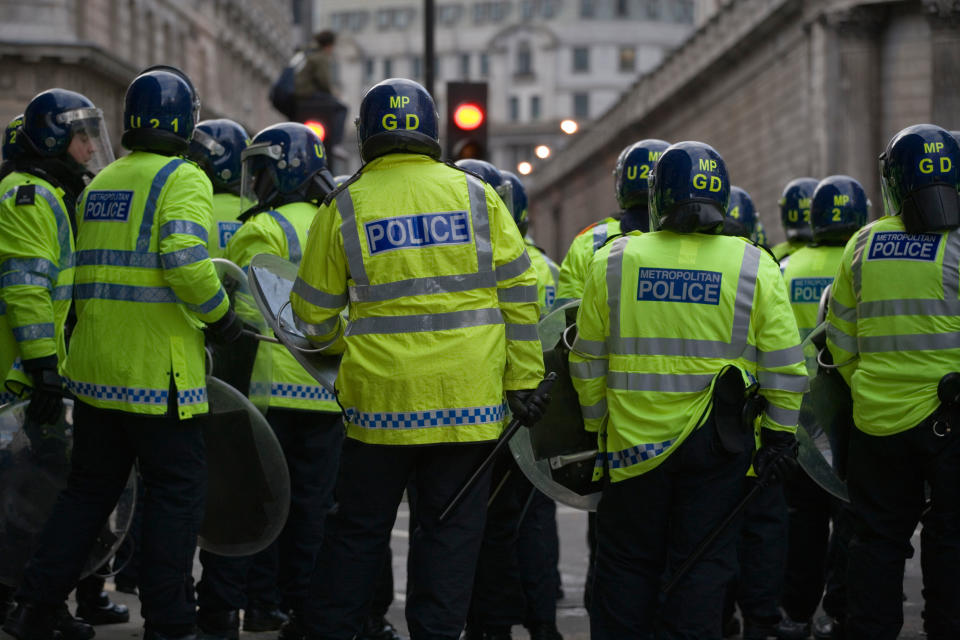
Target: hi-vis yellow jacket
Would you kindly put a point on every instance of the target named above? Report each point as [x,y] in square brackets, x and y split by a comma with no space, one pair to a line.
[662,314]
[894,322]
[283,233]
[787,248]
[36,276]
[573,269]
[546,280]
[144,284]
[808,272]
[223,223]
[443,302]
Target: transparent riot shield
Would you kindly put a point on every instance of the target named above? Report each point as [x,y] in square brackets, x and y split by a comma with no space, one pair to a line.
[245,365]
[271,280]
[557,454]
[34,464]
[248,484]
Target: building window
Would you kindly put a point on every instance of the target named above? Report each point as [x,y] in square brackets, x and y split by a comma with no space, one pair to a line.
[484,65]
[465,66]
[652,8]
[384,18]
[534,107]
[387,68]
[448,14]
[621,8]
[581,60]
[581,105]
[514,109]
[402,18]
[586,9]
[368,70]
[682,10]
[524,60]
[416,67]
[499,10]
[549,8]
[526,9]
[628,59]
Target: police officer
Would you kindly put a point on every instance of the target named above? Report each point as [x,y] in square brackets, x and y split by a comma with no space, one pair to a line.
[816,558]
[893,326]
[143,284]
[216,146]
[548,271]
[742,217]
[60,140]
[668,398]
[432,264]
[795,216]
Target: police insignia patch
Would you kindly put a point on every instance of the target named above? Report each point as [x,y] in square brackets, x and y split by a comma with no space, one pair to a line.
[26,193]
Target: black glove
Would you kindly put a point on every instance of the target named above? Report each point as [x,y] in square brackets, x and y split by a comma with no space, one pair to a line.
[46,399]
[778,452]
[226,330]
[526,406]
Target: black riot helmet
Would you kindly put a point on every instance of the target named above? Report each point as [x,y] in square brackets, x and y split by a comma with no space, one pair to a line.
[920,178]
[795,208]
[839,207]
[397,116]
[689,189]
[632,173]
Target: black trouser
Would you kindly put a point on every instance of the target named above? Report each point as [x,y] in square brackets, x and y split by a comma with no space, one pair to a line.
[311,443]
[539,550]
[127,560]
[171,457]
[648,525]
[442,558]
[885,478]
[761,555]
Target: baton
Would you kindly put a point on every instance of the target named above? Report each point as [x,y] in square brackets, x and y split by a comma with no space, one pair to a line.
[542,389]
[762,481]
[260,337]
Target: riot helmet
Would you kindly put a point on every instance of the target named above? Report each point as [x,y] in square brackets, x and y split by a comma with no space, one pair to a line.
[284,163]
[66,126]
[742,215]
[760,234]
[920,176]
[795,208]
[520,203]
[11,145]
[397,116]
[216,146]
[839,207]
[160,111]
[491,175]
[631,175]
[689,189]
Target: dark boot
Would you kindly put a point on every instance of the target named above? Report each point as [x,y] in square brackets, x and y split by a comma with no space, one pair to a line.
[544,631]
[266,618]
[6,602]
[31,622]
[827,628]
[101,610]
[291,629]
[790,629]
[759,629]
[222,625]
[378,629]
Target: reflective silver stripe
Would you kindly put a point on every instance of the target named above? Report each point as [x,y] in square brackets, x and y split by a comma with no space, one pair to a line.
[33,331]
[786,417]
[629,381]
[614,280]
[317,330]
[526,293]
[521,331]
[184,227]
[293,242]
[600,234]
[181,257]
[594,411]
[589,369]
[422,287]
[743,304]
[150,208]
[481,223]
[777,357]
[856,267]
[513,268]
[782,381]
[17,278]
[117,258]
[351,238]
[37,266]
[318,298]
[908,307]
[842,311]
[210,304]
[951,262]
[63,292]
[128,293]
[590,347]
[426,322]
[910,342]
[842,339]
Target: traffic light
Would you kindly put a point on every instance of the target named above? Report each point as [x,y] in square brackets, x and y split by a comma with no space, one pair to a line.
[466,120]
[317,127]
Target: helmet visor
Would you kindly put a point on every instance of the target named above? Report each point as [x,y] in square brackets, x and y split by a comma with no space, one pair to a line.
[89,140]
[890,205]
[505,191]
[256,181]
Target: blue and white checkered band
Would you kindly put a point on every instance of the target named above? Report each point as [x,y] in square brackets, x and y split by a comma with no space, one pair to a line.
[300,392]
[633,455]
[425,419]
[897,245]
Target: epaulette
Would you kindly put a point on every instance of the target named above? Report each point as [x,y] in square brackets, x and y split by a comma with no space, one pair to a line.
[26,193]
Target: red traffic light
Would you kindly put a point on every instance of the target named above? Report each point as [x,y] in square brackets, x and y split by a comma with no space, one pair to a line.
[317,128]
[468,116]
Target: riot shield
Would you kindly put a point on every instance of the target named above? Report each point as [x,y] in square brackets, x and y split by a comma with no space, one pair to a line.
[34,464]
[557,454]
[244,365]
[271,280]
[248,484]
[825,419]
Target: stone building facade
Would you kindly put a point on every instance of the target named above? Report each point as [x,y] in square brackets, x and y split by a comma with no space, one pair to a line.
[232,50]
[781,88]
